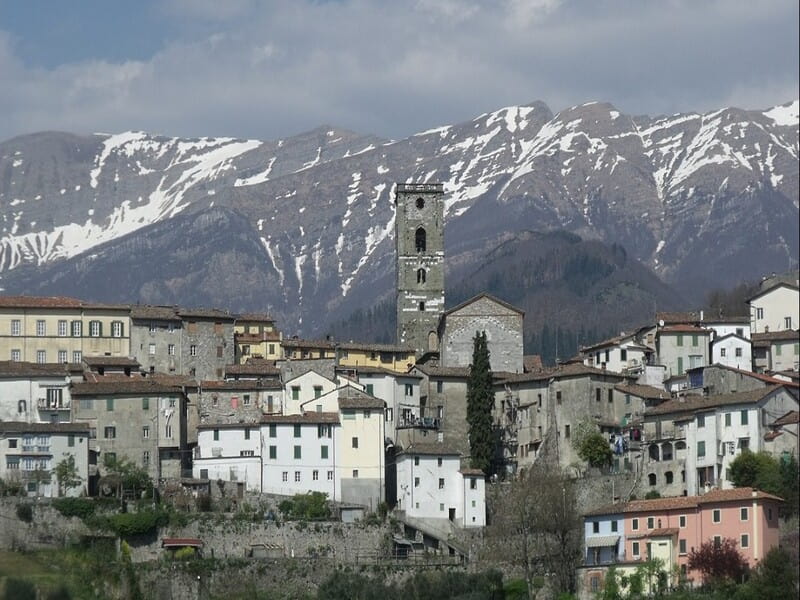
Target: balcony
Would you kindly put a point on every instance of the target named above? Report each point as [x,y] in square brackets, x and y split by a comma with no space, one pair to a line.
[35,450]
[414,422]
[45,404]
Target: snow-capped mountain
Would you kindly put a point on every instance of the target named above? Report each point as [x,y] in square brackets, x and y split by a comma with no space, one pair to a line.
[703,199]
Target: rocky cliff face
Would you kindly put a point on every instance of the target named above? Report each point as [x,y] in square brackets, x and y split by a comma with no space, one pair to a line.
[303,227]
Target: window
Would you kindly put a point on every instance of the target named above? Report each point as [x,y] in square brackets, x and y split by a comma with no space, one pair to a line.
[409,389]
[355,442]
[168,432]
[420,203]
[420,240]
[389,415]
[76,356]
[247,453]
[595,527]
[416,481]
[324,431]
[416,461]
[330,475]
[273,430]
[77,329]
[635,549]
[682,521]
[369,389]
[273,452]
[744,417]
[716,516]
[323,452]
[681,546]
[152,349]
[610,396]
[680,340]
[441,483]
[216,435]
[743,514]
[558,397]
[566,431]
[247,433]
[41,328]
[701,449]
[298,430]
[171,349]
[744,541]
[109,404]
[16,327]
[738,352]
[597,393]
[285,476]
[16,355]
[717,541]
[421,306]
[759,313]
[116,329]
[787,322]
[295,392]
[694,339]
[145,458]
[635,524]
[95,328]
[315,475]
[41,356]
[317,391]
[22,406]
[246,400]
[651,522]
[298,452]
[63,329]
[420,275]
[727,419]
[110,433]
[146,431]
[473,485]
[778,349]
[701,421]
[614,526]
[192,350]
[623,354]
[769,514]
[71,440]
[355,473]
[439,461]
[722,351]
[62,356]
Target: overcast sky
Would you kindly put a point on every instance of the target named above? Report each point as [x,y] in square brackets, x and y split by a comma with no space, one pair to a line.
[269,69]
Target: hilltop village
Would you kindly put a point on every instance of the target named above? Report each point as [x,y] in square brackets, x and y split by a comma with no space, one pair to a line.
[196,396]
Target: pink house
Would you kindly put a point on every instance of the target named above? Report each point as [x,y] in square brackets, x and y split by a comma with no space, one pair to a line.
[670,528]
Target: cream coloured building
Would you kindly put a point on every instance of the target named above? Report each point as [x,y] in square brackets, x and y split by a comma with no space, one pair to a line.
[60,330]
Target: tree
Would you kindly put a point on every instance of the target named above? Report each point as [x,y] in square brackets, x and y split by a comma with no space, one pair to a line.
[128,476]
[718,562]
[763,471]
[594,449]
[480,402]
[537,527]
[66,473]
[776,576]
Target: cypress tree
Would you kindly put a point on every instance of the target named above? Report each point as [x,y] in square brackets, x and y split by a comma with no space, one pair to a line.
[480,401]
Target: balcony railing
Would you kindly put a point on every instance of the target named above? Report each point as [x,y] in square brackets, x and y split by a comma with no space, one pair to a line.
[45,404]
[36,449]
[418,423]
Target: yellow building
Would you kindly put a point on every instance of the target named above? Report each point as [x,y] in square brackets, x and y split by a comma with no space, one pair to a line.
[352,354]
[255,336]
[59,329]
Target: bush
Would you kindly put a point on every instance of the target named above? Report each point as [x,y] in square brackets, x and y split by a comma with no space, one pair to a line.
[186,553]
[594,449]
[311,506]
[20,589]
[132,524]
[25,513]
[82,508]
[652,495]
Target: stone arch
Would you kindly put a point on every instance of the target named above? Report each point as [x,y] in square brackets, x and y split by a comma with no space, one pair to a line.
[420,239]
[653,452]
[666,451]
[420,203]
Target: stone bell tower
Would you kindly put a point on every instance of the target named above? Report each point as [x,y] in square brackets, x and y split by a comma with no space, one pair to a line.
[419,256]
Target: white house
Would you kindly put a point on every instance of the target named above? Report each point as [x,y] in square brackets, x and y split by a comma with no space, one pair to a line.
[620,354]
[431,485]
[682,347]
[775,307]
[401,393]
[36,393]
[776,351]
[732,350]
[230,452]
[305,387]
[30,451]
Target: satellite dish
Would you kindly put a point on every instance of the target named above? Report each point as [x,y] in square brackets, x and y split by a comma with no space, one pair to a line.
[661,322]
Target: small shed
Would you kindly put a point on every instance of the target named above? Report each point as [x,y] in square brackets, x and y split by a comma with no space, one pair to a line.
[172,545]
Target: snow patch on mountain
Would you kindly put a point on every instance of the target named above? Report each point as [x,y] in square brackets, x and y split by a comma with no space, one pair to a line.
[787,115]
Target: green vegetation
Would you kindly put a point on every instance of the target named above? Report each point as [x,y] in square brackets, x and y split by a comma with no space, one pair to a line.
[429,585]
[83,508]
[719,563]
[480,401]
[594,449]
[309,507]
[67,475]
[778,476]
[25,512]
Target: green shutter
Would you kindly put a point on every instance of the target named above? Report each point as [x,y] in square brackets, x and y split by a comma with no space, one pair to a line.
[680,365]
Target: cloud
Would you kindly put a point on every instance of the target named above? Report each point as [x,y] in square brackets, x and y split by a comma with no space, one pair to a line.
[273,69]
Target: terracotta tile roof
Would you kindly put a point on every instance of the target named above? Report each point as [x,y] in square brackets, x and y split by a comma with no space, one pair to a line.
[39,302]
[647,392]
[19,427]
[532,363]
[753,374]
[27,369]
[206,313]
[111,361]
[266,368]
[487,296]
[697,403]
[123,386]
[684,329]
[180,542]
[613,341]
[376,371]
[308,417]
[790,418]
[242,384]
[256,317]
[431,449]
[472,472]
[562,371]
[254,338]
[433,371]
[351,398]
[786,335]
[683,502]
[155,313]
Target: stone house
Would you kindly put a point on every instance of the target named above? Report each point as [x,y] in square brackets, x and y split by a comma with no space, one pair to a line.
[157,338]
[141,419]
[30,451]
[207,342]
[443,397]
[243,401]
[502,323]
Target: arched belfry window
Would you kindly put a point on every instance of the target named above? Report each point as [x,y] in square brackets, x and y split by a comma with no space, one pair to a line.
[420,275]
[420,203]
[419,238]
